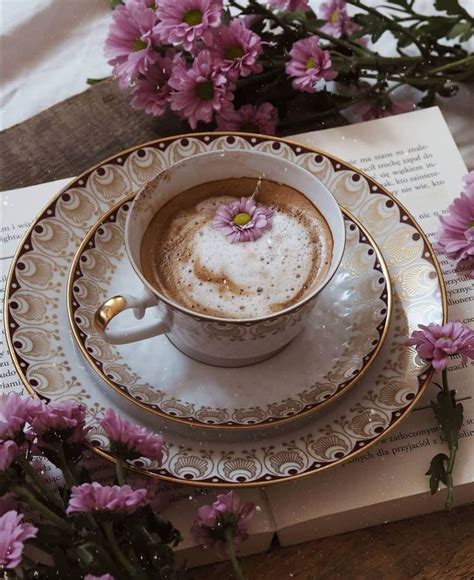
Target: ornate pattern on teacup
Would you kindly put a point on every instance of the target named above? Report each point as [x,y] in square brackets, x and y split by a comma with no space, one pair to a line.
[40,344]
[359,322]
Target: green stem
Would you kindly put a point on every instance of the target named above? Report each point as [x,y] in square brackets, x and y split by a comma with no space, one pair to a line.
[353,47]
[68,475]
[121,475]
[453,449]
[233,558]
[391,23]
[462,62]
[84,552]
[117,552]
[39,483]
[404,80]
[26,496]
[264,11]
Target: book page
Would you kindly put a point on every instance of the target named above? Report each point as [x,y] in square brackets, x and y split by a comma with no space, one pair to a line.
[415,157]
[18,208]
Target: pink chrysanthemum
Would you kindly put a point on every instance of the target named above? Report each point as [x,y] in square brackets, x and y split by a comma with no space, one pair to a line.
[151,93]
[158,499]
[309,64]
[338,21]
[236,48]
[435,343]
[367,111]
[469,183]
[131,441]
[262,119]
[103,577]
[66,421]
[198,91]
[185,21]
[13,535]
[456,237]
[228,514]
[243,221]
[8,452]
[290,5]
[15,411]
[129,44]
[94,497]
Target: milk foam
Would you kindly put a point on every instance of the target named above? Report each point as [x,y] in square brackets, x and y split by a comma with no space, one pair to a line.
[199,268]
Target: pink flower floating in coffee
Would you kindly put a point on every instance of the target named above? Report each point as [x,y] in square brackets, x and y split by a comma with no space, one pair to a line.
[435,343]
[243,221]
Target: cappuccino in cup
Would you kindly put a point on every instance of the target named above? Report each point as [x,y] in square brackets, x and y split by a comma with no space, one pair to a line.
[233,248]
[197,266]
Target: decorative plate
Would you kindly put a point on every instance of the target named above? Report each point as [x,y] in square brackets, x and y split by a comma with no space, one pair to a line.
[350,320]
[51,365]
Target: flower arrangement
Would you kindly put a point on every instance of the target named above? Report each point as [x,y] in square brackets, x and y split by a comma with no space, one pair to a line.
[436,344]
[256,66]
[82,529]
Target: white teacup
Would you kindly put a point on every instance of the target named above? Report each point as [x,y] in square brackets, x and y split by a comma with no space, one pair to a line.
[210,339]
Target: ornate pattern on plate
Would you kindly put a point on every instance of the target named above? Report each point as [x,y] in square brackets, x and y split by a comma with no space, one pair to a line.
[362,276]
[35,313]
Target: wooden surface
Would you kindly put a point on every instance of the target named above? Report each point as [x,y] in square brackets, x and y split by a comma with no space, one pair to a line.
[80,132]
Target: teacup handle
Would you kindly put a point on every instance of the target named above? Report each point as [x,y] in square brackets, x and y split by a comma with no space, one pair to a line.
[117,304]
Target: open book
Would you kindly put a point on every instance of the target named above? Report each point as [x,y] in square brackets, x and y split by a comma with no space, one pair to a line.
[415,157]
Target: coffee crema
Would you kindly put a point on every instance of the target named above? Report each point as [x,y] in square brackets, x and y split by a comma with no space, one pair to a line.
[194,265]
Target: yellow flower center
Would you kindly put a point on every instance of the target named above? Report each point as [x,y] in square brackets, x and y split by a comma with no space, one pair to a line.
[310,63]
[241,219]
[334,17]
[139,44]
[193,17]
[234,52]
[470,224]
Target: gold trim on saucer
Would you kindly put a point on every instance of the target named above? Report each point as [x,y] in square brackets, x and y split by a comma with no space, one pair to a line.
[223,462]
[114,305]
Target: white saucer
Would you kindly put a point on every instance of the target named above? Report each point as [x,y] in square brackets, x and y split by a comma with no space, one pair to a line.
[342,338]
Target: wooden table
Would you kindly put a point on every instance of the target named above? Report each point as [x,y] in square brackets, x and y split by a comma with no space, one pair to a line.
[72,136]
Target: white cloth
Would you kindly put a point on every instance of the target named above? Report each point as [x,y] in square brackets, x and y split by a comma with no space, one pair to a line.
[51,47]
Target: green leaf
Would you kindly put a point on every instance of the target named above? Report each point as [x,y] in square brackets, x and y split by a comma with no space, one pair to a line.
[449,415]
[450,6]
[402,3]
[437,472]
[462,29]
[96,81]
[115,3]
[436,27]
[373,25]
